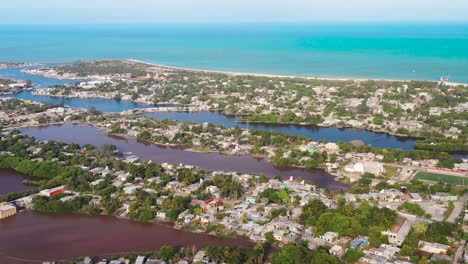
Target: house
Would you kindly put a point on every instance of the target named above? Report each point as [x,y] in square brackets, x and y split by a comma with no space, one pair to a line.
[161,215]
[173,185]
[123,176]
[131,189]
[316,242]
[439,258]
[398,233]
[415,197]
[349,197]
[278,235]
[140,260]
[359,241]
[332,147]
[433,248]
[289,238]
[96,182]
[330,237]
[443,197]
[189,218]
[373,259]
[463,166]
[245,178]
[200,257]
[388,251]
[206,219]
[67,198]
[212,189]
[51,192]
[7,210]
[250,200]
[336,250]
[232,224]
[86,260]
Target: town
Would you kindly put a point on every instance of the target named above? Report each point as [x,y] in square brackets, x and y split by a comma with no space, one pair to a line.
[400,206]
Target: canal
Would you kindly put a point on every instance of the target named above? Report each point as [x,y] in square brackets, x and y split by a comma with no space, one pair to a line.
[160,154]
[328,134]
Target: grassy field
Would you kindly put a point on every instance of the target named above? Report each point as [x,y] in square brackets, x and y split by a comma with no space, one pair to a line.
[436,177]
[390,171]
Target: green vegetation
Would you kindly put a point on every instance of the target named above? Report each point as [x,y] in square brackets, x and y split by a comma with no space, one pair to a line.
[299,254]
[346,219]
[412,208]
[54,205]
[352,255]
[231,255]
[166,253]
[275,196]
[442,144]
[102,67]
[434,232]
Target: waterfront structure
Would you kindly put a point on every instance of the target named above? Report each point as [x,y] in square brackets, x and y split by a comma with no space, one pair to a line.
[140,260]
[51,192]
[7,210]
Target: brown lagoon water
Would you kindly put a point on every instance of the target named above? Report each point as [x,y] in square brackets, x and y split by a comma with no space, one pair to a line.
[32,237]
[82,134]
[12,181]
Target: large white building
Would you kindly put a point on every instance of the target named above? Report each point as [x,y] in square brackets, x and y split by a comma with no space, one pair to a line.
[365,166]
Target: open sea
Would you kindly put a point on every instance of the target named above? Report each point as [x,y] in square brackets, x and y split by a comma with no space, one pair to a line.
[421,51]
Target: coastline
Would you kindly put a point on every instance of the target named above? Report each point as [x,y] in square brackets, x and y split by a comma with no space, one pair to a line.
[234,73]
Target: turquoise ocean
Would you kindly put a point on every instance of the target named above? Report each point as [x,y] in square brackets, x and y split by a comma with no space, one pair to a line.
[420,51]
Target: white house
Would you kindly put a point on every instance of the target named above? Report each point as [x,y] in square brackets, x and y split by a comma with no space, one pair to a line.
[399,232]
[336,250]
[330,237]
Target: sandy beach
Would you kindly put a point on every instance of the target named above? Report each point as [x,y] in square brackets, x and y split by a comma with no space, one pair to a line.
[282,76]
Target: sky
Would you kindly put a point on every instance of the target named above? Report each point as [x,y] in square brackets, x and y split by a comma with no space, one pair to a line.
[227,11]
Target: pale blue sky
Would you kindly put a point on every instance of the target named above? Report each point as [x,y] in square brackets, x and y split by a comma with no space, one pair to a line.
[203,11]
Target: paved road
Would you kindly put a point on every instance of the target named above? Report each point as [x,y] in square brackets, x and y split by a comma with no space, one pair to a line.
[459,254]
[459,206]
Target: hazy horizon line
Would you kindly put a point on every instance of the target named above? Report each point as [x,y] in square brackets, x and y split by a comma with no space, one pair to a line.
[218,23]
